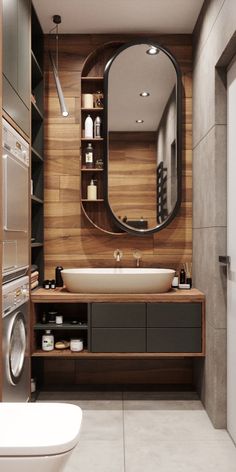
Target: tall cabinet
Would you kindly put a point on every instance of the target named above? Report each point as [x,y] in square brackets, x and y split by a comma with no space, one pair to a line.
[16,62]
[37,106]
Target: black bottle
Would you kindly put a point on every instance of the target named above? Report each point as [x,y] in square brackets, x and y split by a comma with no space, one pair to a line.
[182,276]
[58,277]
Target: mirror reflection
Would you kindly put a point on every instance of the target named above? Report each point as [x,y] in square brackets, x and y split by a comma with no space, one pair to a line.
[142,137]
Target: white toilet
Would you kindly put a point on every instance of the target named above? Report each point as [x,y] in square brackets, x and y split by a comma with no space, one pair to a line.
[36,437]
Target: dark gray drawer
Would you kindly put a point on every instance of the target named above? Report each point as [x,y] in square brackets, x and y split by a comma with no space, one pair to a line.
[174,315]
[174,340]
[112,315]
[118,340]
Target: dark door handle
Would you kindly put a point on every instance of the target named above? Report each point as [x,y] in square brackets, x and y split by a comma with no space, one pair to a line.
[224,260]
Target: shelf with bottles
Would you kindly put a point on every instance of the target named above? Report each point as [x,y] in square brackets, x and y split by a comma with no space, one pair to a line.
[92,188]
[91,110]
[74,317]
[92,155]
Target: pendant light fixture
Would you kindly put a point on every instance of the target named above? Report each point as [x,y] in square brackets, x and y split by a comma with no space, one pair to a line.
[64,111]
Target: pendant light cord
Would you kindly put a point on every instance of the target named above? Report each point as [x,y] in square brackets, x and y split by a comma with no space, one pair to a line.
[57,47]
[57,39]
[64,111]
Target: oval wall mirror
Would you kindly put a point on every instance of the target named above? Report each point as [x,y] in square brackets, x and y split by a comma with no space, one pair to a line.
[142,102]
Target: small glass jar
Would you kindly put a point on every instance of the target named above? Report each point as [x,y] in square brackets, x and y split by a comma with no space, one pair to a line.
[76,345]
[52,316]
[59,319]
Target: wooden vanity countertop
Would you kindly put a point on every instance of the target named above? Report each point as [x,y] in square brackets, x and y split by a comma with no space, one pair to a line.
[61,295]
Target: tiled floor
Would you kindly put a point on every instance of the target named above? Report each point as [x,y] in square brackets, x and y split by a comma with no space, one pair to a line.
[146,432]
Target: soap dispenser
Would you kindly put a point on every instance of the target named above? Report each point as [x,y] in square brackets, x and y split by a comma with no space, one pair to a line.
[92,190]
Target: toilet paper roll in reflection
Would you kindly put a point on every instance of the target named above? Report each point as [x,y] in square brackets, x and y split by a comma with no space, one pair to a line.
[87,100]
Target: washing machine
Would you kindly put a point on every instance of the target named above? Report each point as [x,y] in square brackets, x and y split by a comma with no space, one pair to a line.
[16,356]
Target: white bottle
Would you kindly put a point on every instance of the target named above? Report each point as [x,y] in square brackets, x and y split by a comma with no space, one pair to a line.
[97,127]
[47,341]
[92,191]
[88,127]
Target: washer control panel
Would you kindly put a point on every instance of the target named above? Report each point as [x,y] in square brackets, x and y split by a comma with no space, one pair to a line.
[14,294]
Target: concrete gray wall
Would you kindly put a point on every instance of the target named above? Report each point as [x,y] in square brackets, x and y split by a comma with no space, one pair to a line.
[214,47]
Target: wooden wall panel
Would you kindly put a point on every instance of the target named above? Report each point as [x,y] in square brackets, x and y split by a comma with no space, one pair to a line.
[132,175]
[70,240]
[117,372]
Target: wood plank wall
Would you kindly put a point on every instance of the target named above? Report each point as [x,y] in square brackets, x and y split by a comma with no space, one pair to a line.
[132,175]
[69,238]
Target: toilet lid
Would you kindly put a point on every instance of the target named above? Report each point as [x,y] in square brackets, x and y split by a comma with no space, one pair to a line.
[38,429]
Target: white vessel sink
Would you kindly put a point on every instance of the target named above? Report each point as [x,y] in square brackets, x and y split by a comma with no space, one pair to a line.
[118,280]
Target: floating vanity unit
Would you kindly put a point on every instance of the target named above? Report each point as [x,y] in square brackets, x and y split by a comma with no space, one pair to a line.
[124,325]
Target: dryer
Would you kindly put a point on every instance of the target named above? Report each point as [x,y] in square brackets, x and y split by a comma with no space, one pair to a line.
[16,358]
[15,204]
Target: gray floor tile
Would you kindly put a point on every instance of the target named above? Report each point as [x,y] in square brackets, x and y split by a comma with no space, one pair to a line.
[97,456]
[160,396]
[86,400]
[169,456]
[77,395]
[170,425]
[166,405]
[102,425]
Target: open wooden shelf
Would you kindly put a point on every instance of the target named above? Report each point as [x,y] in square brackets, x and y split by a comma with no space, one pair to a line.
[66,353]
[93,169]
[99,200]
[95,79]
[92,139]
[92,109]
[63,326]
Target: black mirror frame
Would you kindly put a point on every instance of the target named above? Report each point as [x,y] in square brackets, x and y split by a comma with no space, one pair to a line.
[115,220]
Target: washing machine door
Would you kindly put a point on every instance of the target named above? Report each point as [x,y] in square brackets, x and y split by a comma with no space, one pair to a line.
[16,348]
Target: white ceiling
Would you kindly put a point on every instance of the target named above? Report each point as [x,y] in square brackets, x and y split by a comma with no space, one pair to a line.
[120,16]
